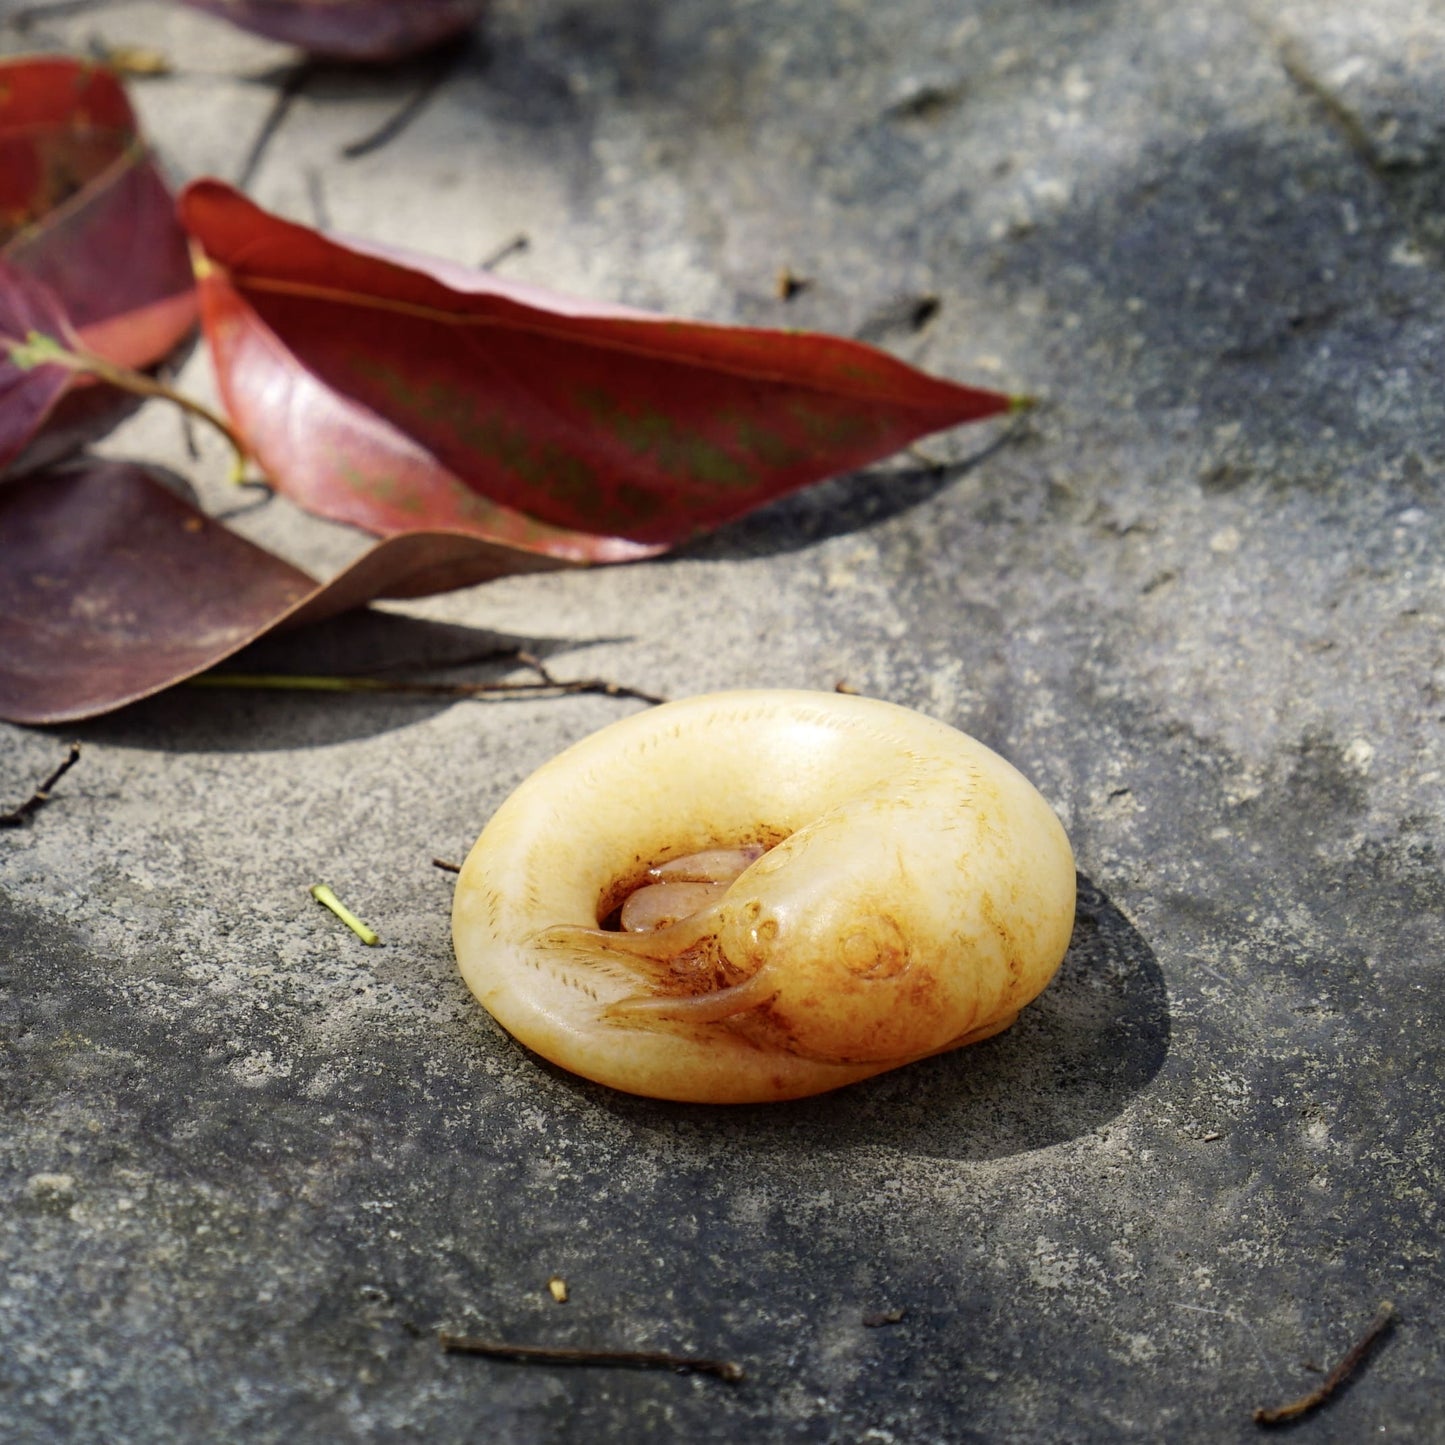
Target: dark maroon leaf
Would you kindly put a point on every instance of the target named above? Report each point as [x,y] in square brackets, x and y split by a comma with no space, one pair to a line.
[113,588]
[84,211]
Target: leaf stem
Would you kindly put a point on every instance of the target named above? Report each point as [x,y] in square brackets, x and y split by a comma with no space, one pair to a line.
[38,349]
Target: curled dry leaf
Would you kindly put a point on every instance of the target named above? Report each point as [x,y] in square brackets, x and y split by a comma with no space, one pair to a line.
[394,392]
[370,30]
[84,212]
[113,588]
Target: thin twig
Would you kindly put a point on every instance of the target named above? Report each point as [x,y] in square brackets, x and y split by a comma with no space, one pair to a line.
[595,684]
[787,285]
[1379,1326]
[1314,86]
[267,494]
[924,309]
[323,895]
[439,71]
[18,817]
[445,866]
[560,1355]
[493,653]
[519,243]
[301,682]
[535,663]
[286,96]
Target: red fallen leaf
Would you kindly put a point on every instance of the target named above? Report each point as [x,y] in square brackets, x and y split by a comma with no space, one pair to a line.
[113,588]
[371,30]
[84,211]
[396,392]
[336,458]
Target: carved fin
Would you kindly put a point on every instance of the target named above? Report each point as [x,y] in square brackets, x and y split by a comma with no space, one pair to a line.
[653,952]
[703,1008]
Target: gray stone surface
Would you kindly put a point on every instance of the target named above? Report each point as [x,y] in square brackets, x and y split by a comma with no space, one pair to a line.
[249,1167]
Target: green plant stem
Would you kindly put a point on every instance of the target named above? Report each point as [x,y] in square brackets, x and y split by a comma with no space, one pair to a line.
[39,349]
[323,895]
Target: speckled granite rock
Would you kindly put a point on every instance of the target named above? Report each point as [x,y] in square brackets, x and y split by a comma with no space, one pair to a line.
[248,1167]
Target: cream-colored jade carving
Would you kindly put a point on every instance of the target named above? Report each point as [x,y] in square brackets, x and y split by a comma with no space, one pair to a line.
[760,895]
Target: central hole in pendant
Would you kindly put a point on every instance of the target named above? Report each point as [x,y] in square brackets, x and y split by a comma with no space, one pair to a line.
[677,889]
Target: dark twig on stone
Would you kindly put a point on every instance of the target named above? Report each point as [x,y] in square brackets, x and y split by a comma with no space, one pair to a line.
[788,285]
[545,686]
[18,817]
[561,1355]
[445,866]
[1283,1414]
[438,72]
[286,96]
[924,309]
[505,252]
[594,684]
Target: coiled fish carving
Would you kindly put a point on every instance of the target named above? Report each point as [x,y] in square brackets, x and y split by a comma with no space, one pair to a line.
[761,895]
